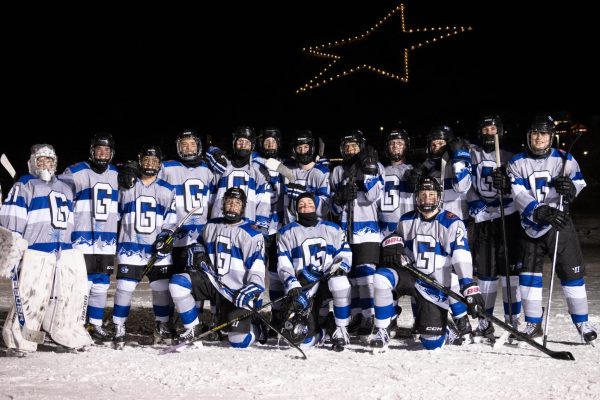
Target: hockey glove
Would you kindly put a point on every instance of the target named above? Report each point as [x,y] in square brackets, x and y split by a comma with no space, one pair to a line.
[163,243]
[197,259]
[458,150]
[323,163]
[247,296]
[500,180]
[128,175]
[348,192]
[294,190]
[300,301]
[474,299]
[217,161]
[369,161]
[545,214]
[393,253]
[564,185]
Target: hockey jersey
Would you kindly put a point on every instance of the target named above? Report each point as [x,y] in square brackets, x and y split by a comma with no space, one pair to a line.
[95,207]
[194,187]
[145,211]
[397,197]
[456,184]
[532,185]
[483,199]
[41,212]
[316,181]
[275,186]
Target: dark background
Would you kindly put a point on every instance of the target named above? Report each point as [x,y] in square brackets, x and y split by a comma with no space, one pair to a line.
[145,73]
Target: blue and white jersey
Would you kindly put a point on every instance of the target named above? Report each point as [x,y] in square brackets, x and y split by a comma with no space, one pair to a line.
[532,185]
[41,212]
[252,181]
[438,247]
[310,251]
[194,187]
[365,225]
[96,208]
[237,255]
[275,186]
[145,211]
[483,199]
[397,198]
[316,181]
[456,183]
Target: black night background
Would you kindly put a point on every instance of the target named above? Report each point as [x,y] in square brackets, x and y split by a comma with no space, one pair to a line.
[145,73]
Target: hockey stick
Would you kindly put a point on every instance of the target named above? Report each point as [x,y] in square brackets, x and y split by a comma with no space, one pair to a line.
[169,240]
[335,266]
[28,334]
[560,207]
[8,166]
[502,218]
[559,355]
[276,165]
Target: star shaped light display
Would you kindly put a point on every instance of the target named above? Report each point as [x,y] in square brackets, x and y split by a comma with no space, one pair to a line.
[342,65]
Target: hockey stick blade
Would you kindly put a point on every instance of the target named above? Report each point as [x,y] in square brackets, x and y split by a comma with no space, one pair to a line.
[275,165]
[8,166]
[28,334]
[559,355]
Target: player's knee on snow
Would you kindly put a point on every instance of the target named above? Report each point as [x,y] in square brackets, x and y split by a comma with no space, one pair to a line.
[241,334]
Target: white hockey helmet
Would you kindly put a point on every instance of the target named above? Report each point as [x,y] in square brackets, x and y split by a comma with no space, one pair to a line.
[44,171]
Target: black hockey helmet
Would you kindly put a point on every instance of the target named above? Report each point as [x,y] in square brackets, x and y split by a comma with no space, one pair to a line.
[234,193]
[487,141]
[393,135]
[440,132]
[150,150]
[101,139]
[189,134]
[246,132]
[545,124]
[428,183]
[270,132]
[304,137]
[353,136]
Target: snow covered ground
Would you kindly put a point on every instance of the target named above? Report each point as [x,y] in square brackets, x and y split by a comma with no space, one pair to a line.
[215,371]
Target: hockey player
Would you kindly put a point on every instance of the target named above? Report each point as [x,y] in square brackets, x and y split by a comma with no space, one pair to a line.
[356,186]
[148,218]
[488,244]
[242,173]
[397,198]
[307,249]
[232,276]
[39,210]
[538,186]
[449,162]
[435,241]
[95,232]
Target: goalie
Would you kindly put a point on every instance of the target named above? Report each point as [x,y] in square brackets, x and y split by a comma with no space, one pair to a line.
[37,254]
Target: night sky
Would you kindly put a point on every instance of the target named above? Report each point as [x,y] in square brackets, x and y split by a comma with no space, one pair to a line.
[144,74]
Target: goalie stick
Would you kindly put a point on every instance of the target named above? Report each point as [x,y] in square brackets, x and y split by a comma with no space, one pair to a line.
[276,165]
[8,166]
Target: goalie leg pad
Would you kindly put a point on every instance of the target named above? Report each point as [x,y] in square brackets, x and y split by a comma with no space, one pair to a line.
[66,322]
[35,285]
[11,251]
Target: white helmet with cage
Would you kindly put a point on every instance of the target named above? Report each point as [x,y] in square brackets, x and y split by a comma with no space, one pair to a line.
[43,169]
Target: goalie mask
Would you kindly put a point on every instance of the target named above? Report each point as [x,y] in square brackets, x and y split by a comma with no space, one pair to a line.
[394,150]
[428,195]
[304,137]
[234,205]
[102,151]
[42,162]
[150,158]
[271,150]
[489,127]
[189,145]
[540,135]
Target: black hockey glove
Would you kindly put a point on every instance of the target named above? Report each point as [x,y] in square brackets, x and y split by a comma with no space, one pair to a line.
[128,175]
[458,150]
[393,253]
[346,193]
[197,259]
[300,301]
[564,185]
[217,160]
[247,296]
[164,243]
[549,215]
[500,180]
[474,299]
[369,161]
[294,190]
